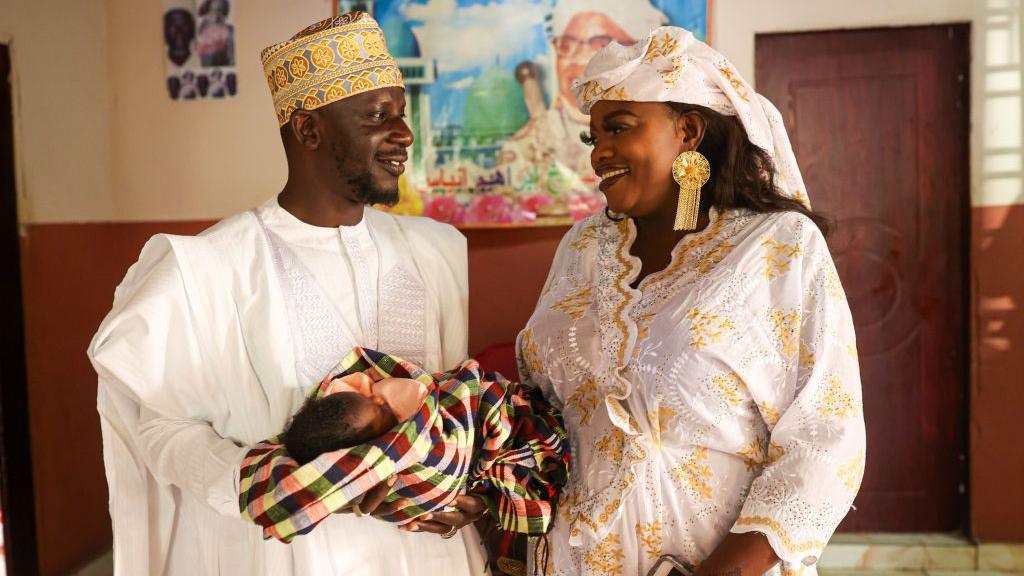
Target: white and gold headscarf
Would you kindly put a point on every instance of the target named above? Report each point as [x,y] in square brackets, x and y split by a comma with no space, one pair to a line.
[671,65]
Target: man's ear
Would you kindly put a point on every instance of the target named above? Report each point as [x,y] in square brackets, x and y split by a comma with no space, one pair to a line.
[306,129]
[690,126]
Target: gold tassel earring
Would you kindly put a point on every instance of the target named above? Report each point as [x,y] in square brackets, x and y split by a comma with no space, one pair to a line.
[691,171]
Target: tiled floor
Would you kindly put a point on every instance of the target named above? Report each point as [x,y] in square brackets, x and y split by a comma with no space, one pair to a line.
[102,566]
[908,573]
[866,555]
[922,554]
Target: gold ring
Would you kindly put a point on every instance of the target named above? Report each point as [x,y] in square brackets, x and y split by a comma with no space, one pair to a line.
[450,533]
[358,511]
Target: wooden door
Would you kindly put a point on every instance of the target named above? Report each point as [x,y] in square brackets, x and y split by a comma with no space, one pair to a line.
[878,120]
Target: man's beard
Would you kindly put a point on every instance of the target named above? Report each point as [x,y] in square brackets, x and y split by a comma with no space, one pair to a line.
[363,185]
[368,191]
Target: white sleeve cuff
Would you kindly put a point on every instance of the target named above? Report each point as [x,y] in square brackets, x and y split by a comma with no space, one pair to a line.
[790,551]
[215,473]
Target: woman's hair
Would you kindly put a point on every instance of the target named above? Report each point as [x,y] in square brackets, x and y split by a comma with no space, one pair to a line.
[742,174]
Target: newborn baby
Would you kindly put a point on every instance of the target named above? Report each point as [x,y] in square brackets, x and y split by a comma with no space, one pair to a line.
[354,410]
[376,417]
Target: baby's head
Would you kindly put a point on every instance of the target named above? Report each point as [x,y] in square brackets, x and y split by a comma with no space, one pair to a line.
[339,420]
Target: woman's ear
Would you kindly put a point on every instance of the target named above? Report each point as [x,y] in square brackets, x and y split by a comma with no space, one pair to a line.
[690,126]
[306,129]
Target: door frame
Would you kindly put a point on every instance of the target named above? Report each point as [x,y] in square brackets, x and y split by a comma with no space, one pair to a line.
[16,484]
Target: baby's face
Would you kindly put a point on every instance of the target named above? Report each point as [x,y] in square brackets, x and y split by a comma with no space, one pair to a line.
[375,416]
[358,382]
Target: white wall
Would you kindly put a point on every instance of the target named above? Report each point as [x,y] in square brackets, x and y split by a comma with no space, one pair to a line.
[62,98]
[196,159]
[99,139]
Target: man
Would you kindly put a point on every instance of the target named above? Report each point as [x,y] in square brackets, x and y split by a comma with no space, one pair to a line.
[214,340]
[179,31]
[578,29]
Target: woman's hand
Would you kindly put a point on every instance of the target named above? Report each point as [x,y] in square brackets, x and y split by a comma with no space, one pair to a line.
[740,555]
[470,508]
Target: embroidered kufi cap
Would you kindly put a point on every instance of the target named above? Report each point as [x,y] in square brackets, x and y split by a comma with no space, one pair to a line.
[330,60]
[671,65]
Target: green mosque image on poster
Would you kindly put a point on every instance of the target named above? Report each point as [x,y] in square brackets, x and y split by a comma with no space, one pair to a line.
[489,99]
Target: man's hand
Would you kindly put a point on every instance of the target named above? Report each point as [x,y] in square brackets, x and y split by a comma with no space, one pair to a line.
[470,508]
[373,503]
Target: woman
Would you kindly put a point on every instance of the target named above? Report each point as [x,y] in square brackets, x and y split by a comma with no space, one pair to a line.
[707,375]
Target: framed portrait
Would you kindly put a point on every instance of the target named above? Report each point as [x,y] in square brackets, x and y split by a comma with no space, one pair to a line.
[488,97]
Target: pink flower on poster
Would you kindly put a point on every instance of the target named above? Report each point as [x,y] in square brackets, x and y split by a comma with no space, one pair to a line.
[535,202]
[445,209]
[489,209]
[583,205]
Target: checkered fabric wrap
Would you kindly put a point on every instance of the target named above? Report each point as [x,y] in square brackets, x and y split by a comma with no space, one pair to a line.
[483,435]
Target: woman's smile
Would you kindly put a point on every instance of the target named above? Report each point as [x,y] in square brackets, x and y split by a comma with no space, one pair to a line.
[609,176]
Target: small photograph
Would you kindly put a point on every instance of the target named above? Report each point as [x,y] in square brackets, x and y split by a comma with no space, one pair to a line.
[199,38]
[179,35]
[216,36]
[220,84]
[184,86]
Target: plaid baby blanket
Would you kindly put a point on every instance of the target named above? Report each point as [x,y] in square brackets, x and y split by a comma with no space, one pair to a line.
[473,433]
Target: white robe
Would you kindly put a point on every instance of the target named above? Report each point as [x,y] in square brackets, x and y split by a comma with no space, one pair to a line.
[723,394]
[211,345]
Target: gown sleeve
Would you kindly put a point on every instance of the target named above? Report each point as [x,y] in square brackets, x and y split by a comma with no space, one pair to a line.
[813,458]
[529,356]
[158,395]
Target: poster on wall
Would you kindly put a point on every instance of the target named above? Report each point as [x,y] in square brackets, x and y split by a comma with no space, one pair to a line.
[199,39]
[489,100]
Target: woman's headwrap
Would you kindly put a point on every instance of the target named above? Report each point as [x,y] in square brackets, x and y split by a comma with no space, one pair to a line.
[672,65]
